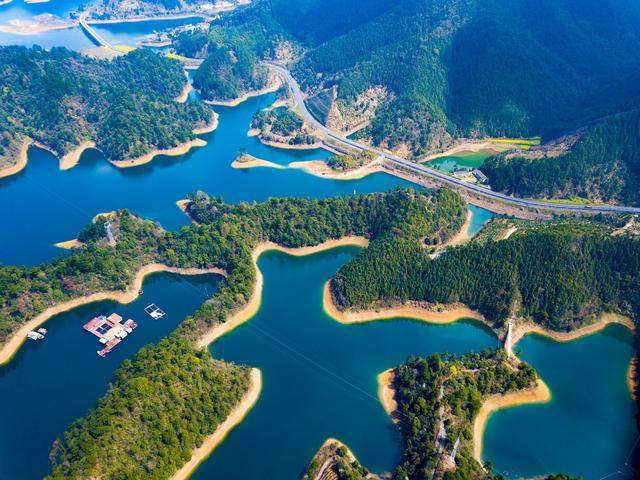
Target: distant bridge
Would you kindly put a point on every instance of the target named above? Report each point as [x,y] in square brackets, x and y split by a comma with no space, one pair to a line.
[94,36]
[99,40]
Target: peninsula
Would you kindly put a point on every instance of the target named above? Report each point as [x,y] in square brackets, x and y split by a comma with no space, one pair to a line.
[119,107]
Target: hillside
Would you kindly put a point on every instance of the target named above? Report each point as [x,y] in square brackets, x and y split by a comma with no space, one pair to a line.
[603,165]
[61,99]
[424,72]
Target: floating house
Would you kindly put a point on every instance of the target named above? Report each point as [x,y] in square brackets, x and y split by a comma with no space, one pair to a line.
[110,330]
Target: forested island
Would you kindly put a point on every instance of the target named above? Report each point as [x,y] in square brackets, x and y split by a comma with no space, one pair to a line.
[561,278]
[437,400]
[396,266]
[62,100]
[225,239]
[281,126]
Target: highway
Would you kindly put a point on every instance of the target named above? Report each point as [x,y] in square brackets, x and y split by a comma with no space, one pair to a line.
[435,174]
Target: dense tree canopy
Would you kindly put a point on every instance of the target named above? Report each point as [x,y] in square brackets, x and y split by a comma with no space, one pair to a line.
[604,164]
[61,98]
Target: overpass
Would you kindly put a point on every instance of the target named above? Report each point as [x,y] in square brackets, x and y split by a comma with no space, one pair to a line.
[438,176]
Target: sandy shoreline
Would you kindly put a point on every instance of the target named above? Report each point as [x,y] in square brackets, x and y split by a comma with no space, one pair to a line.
[253,305]
[273,86]
[170,152]
[236,416]
[462,236]
[319,168]
[386,393]
[604,320]
[159,18]
[16,340]
[23,27]
[289,146]
[631,377]
[71,159]
[20,164]
[69,244]
[182,205]
[255,163]
[414,312]
[185,93]
[208,128]
[538,394]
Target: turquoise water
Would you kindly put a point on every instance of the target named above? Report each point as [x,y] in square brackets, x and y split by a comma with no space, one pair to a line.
[463,160]
[587,429]
[52,382]
[319,375]
[59,203]
[479,218]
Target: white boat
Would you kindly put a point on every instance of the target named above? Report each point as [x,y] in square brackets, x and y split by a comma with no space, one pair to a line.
[34,336]
[42,331]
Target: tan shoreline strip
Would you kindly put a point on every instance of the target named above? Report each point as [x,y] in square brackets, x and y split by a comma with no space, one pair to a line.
[401,311]
[20,164]
[538,394]
[463,234]
[319,168]
[253,305]
[605,320]
[72,158]
[272,87]
[10,348]
[386,393]
[171,152]
[236,416]
[184,94]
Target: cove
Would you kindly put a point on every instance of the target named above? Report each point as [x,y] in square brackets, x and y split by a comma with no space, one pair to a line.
[50,383]
[319,376]
[587,429]
[319,381]
[43,205]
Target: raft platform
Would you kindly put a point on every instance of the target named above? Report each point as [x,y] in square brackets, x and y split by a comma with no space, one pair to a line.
[109,330]
[154,311]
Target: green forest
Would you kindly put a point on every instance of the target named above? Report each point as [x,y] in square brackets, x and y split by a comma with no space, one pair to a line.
[464,383]
[60,98]
[603,165]
[160,406]
[153,439]
[560,278]
[552,72]
[546,270]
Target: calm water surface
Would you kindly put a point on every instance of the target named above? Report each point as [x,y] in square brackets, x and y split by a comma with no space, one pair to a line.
[43,205]
[319,376]
[52,382]
[587,429]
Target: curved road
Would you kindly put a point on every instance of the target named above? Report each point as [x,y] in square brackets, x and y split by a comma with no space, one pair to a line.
[435,174]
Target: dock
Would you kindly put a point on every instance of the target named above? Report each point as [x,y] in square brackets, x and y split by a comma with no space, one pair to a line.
[110,330]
